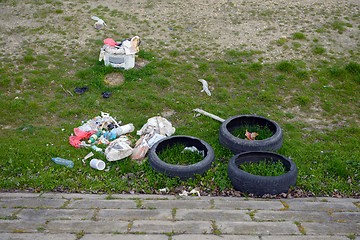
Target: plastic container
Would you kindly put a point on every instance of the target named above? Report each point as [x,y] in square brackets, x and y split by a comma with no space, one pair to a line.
[97,164]
[62,161]
[125,61]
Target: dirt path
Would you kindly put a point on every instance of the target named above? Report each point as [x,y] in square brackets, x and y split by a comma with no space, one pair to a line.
[323,29]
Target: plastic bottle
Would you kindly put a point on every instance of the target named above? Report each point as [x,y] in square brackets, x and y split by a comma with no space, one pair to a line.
[96,148]
[95,136]
[121,130]
[63,161]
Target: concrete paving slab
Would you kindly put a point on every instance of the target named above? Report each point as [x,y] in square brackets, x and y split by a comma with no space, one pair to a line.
[53,214]
[178,204]
[19,226]
[331,228]
[304,237]
[344,217]
[125,237]
[292,216]
[335,206]
[86,226]
[213,237]
[31,203]
[36,236]
[258,228]
[212,214]
[102,204]
[245,205]
[134,214]
[193,227]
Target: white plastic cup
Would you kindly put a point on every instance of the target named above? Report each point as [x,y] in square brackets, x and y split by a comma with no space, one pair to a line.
[97,164]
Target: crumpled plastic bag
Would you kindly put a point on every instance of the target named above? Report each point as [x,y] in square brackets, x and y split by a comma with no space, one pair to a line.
[118,149]
[79,135]
[157,125]
[153,131]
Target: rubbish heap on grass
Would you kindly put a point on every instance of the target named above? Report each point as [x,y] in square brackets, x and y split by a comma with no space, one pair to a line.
[104,130]
[120,54]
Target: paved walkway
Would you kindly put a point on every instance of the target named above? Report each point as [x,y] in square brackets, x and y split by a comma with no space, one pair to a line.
[149,217]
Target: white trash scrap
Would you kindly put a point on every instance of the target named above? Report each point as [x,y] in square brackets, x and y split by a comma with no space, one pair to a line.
[99,22]
[205,86]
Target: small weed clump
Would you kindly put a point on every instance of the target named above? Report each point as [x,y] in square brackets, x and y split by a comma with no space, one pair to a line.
[264,168]
[178,155]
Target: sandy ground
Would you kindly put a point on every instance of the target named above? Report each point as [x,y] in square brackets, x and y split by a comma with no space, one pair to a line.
[203,28]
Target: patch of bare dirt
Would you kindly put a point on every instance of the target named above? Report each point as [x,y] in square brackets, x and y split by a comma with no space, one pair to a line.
[114,79]
[206,27]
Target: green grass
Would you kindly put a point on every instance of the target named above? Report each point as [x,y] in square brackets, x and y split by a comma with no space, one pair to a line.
[177,155]
[316,103]
[264,168]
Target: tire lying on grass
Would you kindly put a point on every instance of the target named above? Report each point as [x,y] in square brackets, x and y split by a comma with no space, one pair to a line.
[181,171]
[260,185]
[238,145]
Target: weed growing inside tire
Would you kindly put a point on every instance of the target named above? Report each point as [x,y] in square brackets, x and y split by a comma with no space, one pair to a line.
[264,168]
[178,156]
[263,131]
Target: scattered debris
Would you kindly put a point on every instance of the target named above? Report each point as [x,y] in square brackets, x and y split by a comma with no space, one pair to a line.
[65,90]
[194,149]
[155,125]
[251,135]
[118,149]
[99,22]
[81,90]
[97,164]
[164,190]
[62,161]
[209,114]
[106,94]
[89,155]
[186,193]
[205,87]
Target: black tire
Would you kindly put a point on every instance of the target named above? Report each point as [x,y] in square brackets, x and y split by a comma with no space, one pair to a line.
[260,185]
[238,145]
[183,172]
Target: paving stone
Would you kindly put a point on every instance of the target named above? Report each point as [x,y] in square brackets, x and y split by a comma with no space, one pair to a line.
[304,237]
[194,227]
[258,228]
[52,214]
[36,236]
[331,228]
[32,203]
[68,196]
[339,206]
[7,212]
[145,196]
[124,237]
[264,215]
[19,226]
[212,214]
[134,214]
[104,204]
[86,226]
[346,217]
[212,237]
[245,205]
[18,195]
[178,204]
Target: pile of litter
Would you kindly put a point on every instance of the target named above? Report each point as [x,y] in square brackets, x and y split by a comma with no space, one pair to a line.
[104,130]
